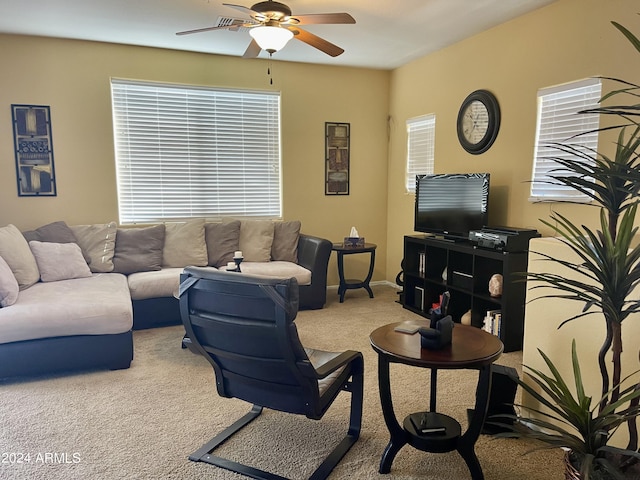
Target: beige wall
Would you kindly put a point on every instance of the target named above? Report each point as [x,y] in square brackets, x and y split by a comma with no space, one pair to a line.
[565,41]
[73,78]
[568,40]
[542,331]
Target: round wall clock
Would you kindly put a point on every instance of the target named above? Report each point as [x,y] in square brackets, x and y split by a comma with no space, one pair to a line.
[478,121]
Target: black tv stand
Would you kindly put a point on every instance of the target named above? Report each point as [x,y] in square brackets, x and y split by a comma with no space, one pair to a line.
[464,270]
[445,238]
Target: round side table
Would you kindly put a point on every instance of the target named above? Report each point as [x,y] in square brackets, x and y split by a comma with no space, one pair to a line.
[471,348]
[349,284]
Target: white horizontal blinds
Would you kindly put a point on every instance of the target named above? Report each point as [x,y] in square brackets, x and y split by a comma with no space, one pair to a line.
[421,134]
[195,152]
[559,122]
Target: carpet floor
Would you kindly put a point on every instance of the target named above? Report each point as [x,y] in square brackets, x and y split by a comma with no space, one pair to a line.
[143,422]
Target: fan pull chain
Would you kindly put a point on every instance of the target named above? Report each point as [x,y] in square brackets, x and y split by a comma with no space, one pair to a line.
[269,71]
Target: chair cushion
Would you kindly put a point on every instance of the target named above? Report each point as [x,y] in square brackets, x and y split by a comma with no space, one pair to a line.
[318,358]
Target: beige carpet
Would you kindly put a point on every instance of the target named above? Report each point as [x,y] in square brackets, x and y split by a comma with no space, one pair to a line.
[144,422]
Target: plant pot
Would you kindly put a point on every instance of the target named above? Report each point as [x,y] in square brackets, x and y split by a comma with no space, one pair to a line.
[570,472]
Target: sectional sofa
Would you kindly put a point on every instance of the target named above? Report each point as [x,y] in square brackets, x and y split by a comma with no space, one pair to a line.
[70,296]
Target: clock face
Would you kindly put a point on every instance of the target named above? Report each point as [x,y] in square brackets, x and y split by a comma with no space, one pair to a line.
[475,121]
[478,122]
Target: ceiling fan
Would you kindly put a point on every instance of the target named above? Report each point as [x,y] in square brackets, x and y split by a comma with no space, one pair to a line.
[272,25]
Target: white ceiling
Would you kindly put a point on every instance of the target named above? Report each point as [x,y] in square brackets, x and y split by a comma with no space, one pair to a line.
[387,34]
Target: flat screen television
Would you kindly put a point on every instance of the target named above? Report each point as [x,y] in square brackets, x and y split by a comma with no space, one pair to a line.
[451,204]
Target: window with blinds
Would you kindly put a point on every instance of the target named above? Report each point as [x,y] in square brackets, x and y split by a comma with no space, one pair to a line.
[421,135]
[184,151]
[560,122]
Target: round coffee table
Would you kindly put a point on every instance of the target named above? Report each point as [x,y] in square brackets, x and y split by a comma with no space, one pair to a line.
[471,348]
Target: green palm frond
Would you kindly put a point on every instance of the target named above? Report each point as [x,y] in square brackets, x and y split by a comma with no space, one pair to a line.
[567,418]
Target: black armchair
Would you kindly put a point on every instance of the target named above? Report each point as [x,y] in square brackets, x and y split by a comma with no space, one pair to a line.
[243,325]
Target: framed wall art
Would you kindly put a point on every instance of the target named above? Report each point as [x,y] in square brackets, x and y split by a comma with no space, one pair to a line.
[34,150]
[337,158]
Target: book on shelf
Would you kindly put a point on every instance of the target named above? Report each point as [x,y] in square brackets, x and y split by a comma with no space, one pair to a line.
[493,322]
[427,423]
[422,263]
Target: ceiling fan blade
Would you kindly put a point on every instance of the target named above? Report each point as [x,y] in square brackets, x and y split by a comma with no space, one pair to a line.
[253,50]
[317,42]
[316,18]
[207,29]
[245,10]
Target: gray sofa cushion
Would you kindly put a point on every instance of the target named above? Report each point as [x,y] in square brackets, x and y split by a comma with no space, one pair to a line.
[138,249]
[285,241]
[222,241]
[55,232]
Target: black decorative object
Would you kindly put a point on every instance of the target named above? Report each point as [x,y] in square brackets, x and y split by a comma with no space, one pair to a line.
[478,122]
[33,150]
[439,336]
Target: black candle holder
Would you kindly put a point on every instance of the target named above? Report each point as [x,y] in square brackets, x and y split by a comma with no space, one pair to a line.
[238,261]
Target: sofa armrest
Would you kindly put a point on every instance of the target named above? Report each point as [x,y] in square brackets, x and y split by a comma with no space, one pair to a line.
[313,254]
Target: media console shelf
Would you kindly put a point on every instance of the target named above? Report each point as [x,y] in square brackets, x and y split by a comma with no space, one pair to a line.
[465,270]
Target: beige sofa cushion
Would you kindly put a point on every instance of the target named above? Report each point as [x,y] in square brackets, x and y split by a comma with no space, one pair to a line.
[98,242]
[278,269]
[161,283]
[184,244]
[8,285]
[96,305]
[59,261]
[256,238]
[16,252]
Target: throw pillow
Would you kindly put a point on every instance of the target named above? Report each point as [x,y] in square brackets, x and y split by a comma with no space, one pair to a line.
[138,249]
[184,244]
[59,261]
[285,241]
[56,232]
[223,240]
[98,242]
[16,252]
[256,238]
[8,285]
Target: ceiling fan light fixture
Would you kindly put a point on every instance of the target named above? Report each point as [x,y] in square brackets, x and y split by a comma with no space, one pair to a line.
[271,39]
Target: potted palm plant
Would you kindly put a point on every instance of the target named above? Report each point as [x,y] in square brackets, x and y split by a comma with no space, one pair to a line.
[603,280]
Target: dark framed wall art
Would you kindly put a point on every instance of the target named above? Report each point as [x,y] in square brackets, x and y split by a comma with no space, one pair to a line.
[34,150]
[337,159]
